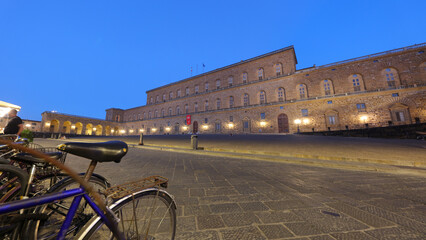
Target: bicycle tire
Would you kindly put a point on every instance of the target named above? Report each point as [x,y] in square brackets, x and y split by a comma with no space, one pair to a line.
[162,220]
[14,188]
[50,228]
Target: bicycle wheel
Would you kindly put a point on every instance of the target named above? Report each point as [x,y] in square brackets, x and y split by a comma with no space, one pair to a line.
[149,214]
[57,211]
[13,182]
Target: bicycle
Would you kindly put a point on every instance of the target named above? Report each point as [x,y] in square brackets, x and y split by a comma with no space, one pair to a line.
[156,207]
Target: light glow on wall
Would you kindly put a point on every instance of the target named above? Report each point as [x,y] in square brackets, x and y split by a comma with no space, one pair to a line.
[297,121]
[230,125]
[205,127]
[262,123]
[305,121]
[363,118]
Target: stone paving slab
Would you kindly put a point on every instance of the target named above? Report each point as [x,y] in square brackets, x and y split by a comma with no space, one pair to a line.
[230,198]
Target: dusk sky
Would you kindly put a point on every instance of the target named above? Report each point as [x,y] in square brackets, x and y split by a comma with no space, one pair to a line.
[82,57]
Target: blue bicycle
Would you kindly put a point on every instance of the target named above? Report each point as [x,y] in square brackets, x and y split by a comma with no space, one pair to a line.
[138,210]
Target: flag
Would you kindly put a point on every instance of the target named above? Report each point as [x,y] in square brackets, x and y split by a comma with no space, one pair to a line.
[204,65]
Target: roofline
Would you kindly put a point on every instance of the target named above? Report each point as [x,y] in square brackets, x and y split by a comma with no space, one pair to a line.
[226,67]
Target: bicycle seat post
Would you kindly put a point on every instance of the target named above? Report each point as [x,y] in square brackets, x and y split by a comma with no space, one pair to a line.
[90,170]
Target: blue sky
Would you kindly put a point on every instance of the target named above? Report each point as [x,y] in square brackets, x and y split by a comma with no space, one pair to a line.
[82,57]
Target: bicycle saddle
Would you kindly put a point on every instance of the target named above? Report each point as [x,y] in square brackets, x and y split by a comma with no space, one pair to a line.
[111,151]
[25,157]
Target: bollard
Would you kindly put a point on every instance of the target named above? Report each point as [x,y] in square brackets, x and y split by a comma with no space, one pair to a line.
[141,139]
[194,142]
[52,136]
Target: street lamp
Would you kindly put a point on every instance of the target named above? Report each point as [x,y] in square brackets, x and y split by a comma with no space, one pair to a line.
[298,121]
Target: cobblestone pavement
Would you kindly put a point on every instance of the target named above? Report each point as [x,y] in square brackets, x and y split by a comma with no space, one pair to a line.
[225,198]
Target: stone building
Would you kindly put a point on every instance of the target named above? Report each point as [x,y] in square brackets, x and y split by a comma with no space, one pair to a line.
[267,94]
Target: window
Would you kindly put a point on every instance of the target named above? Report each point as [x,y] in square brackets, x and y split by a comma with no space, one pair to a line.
[171,95]
[304,112]
[162,112]
[157,99]
[262,97]
[217,84]
[361,107]
[260,73]
[262,116]
[245,77]
[152,100]
[281,94]
[206,86]
[356,83]
[391,77]
[278,69]
[186,108]
[144,115]
[156,114]
[327,88]
[230,80]
[206,120]
[206,105]
[400,116]
[331,120]
[246,99]
[231,102]
[170,112]
[218,103]
[164,97]
[149,115]
[139,116]
[187,91]
[177,110]
[196,107]
[168,124]
[395,94]
[178,93]
[196,89]
[231,118]
[302,91]
[329,102]
[217,126]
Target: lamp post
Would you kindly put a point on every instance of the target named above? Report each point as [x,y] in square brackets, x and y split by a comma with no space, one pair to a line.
[298,121]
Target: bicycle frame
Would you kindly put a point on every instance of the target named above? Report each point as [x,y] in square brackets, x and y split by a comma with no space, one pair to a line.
[77,193]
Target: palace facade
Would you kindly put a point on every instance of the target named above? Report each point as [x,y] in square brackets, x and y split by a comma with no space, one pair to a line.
[268,94]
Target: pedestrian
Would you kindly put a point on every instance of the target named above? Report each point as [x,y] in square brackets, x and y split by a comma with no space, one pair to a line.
[15,125]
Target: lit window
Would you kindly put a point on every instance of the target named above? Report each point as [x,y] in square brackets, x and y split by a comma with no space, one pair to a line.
[304,112]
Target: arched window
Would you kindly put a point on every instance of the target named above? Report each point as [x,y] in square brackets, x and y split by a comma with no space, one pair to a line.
[152,100]
[206,86]
[170,112]
[156,114]
[187,91]
[144,115]
[231,101]
[178,93]
[400,113]
[177,110]
[357,82]
[245,77]
[206,105]
[164,97]
[218,103]
[162,112]
[246,99]
[391,77]
[218,84]
[149,115]
[230,81]
[327,87]
[186,108]
[195,107]
[281,94]
[303,92]
[139,116]
[278,69]
[262,97]
[171,95]
[260,73]
[157,99]
[196,89]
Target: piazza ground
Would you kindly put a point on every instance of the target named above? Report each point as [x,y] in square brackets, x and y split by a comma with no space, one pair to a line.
[235,198]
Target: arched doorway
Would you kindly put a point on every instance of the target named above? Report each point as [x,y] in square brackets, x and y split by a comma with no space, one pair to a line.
[115,131]
[98,130]
[66,127]
[78,128]
[177,128]
[195,127]
[107,130]
[89,128]
[54,126]
[283,126]
[246,125]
